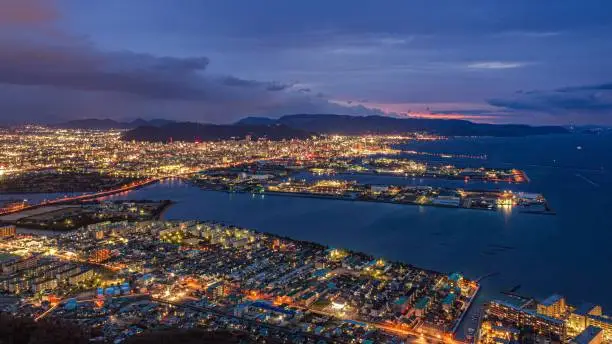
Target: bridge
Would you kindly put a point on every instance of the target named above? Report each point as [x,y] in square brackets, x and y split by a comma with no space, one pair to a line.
[124,188]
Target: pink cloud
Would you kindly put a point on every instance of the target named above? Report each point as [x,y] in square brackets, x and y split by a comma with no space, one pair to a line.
[429,111]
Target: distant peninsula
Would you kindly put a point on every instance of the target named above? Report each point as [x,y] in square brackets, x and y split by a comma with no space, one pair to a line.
[361,125]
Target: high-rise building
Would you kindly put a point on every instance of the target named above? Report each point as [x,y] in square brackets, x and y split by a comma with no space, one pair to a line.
[7,231]
[604,323]
[577,321]
[509,315]
[589,315]
[11,264]
[81,277]
[553,306]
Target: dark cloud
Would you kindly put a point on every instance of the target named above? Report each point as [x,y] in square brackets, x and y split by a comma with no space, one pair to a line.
[48,74]
[424,53]
[45,82]
[83,68]
[586,100]
[174,64]
[237,82]
[267,85]
[277,86]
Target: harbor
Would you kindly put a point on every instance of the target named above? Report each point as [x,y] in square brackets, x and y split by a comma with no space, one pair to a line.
[341,189]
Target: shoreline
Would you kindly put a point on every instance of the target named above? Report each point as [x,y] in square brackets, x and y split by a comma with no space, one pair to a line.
[431,177]
[163,205]
[363,255]
[83,197]
[348,198]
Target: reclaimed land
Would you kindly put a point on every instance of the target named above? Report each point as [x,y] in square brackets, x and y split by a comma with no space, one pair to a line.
[545,210]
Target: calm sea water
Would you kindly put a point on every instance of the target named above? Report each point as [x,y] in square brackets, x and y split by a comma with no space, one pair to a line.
[570,253]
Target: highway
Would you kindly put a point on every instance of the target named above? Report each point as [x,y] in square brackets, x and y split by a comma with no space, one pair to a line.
[83,197]
[124,188]
[413,335]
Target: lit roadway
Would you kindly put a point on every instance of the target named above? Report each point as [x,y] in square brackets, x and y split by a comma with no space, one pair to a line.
[66,257]
[124,188]
[59,303]
[419,337]
[85,196]
[416,336]
[47,312]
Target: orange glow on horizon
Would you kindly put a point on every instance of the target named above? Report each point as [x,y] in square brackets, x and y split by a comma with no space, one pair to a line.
[421,110]
[449,116]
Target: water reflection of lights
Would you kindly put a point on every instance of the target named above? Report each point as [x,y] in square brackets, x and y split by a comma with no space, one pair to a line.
[506,210]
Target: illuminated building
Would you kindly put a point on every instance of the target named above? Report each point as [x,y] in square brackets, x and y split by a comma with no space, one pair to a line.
[455,280]
[7,231]
[492,333]
[329,186]
[42,284]
[99,235]
[81,277]
[69,271]
[339,304]
[577,321]
[216,289]
[12,264]
[586,315]
[590,335]
[99,256]
[517,316]
[553,306]
[244,265]
[603,322]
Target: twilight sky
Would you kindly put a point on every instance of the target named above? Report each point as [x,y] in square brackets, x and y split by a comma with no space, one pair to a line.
[508,61]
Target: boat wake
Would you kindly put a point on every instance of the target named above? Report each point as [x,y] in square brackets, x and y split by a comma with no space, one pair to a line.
[587,180]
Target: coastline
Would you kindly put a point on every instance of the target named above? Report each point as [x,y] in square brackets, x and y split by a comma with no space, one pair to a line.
[155,215]
[349,198]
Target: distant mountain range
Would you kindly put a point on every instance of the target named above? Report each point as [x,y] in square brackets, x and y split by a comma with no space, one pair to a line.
[189,131]
[105,124]
[301,126]
[359,125]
